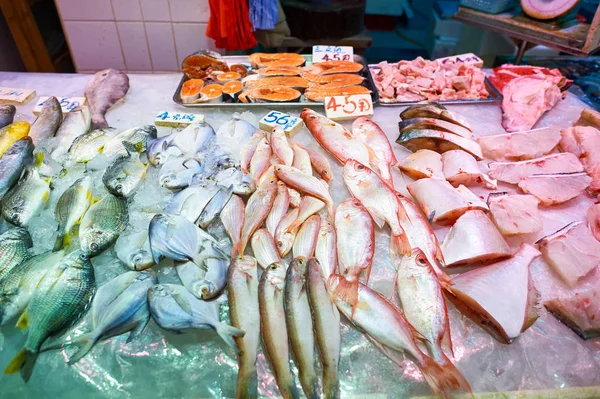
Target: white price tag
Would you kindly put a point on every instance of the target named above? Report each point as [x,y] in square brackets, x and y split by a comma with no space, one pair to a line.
[16,96]
[289,124]
[66,103]
[332,53]
[176,119]
[348,107]
[468,58]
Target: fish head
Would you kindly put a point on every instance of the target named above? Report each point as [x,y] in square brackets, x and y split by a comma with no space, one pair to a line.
[147,277]
[205,289]
[141,260]
[16,215]
[148,130]
[94,241]
[277,132]
[173,181]
[275,274]
[299,265]
[18,234]
[350,208]
[354,170]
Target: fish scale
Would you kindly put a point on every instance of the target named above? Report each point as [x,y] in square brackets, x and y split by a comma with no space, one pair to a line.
[14,246]
[102,224]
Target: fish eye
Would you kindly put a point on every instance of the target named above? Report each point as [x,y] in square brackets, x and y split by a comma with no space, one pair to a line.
[118,187]
[421,259]
[360,167]
[94,246]
[273,266]
[83,257]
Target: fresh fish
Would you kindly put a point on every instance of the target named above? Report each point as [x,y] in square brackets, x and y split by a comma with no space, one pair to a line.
[19,285]
[519,146]
[158,150]
[461,168]
[213,209]
[261,159]
[435,111]
[422,164]
[295,82]
[593,216]
[12,163]
[119,306]
[273,327]
[578,310]
[279,209]
[306,238]
[137,137]
[436,140]
[281,147]
[70,208]
[376,141]
[299,325]
[14,245]
[177,238]
[301,159]
[582,141]
[247,151]
[515,214]
[59,300]
[11,133]
[238,128]
[257,209]
[103,91]
[264,249]
[513,172]
[190,202]
[102,224]
[232,217]
[326,250]
[308,206]
[173,307]
[242,287]
[326,321]
[276,60]
[309,185]
[295,197]
[76,123]
[125,175]
[270,94]
[396,336]
[553,189]
[194,139]
[239,182]
[435,124]
[47,122]
[178,173]
[26,199]
[88,145]
[134,250]
[7,114]
[284,237]
[320,164]
[319,93]
[201,283]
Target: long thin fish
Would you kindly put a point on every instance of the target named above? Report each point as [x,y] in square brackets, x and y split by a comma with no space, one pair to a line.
[247,151]
[301,159]
[70,208]
[232,217]
[264,249]
[326,249]
[48,121]
[308,184]
[281,146]
[308,207]
[320,163]
[280,207]
[380,149]
[260,160]
[306,239]
[284,238]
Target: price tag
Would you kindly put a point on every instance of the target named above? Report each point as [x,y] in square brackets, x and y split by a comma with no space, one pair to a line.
[66,103]
[332,53]
[348,107]
[290,124]
[176,119]
[469,59]
[15,96]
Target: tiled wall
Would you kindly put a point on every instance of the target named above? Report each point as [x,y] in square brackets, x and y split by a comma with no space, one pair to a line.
[134,35]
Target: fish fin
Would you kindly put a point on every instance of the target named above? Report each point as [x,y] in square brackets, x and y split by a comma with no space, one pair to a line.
[447,342]
[443,379]
[38,160]
[139,328]
[23,322]
[86,343]
[399,245]
[348,292]
[98,122]
[430,217]
[58,244]
[182,302]
[129,147]
[227,332]
[378,221]
[17,362]
[23,361]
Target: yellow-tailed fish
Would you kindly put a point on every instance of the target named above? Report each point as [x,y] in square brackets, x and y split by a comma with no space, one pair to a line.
[70,208]
[11,133]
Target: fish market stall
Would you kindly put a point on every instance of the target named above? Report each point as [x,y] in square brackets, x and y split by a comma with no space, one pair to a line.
[547,359]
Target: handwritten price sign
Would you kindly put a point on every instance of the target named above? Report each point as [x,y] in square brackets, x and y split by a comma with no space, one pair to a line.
[290,124]
[15,96]
[176,119]
[66,103]
[468,58]
[331,53]
[348,107]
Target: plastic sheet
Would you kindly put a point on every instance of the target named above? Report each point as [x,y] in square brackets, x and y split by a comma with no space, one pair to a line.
[198,363]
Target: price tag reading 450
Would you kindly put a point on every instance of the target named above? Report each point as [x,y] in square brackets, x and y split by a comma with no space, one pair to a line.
[332,53]
[348,107]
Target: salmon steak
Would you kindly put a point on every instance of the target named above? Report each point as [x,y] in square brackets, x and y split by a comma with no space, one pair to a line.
[278,71]
[289,81]
[335,80]
[227,76]
[259,60]
[200,65]
[332,67]
[190,90]
[265,94]
[319,93]
[232,89]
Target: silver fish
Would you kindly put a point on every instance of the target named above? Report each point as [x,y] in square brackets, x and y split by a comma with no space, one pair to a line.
[76,123]
[12,163]
[204,284]
[173,307]
[26,199]
[190,202]
[102,224]
[7,114]
[134,250]
[178,173]
[14,245]
[88,145]
[136,136]
[240,182]
[158,150]
[125,175]
[60,299]
[48,121]
[194,139]
[70,208]
[103,91]
[238,128]
[213,209]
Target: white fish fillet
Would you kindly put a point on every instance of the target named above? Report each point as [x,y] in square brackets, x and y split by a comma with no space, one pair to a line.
[519,146]
[421,164]
[555,188]
[580,311]
[584,143]
[515,214]
[593,216]
[513,172]
[460,167]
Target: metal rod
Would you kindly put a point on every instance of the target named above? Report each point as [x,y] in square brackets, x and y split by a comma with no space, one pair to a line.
[521,52]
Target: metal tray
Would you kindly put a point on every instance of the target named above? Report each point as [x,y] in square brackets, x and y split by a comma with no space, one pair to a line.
[243,59]
[494,94]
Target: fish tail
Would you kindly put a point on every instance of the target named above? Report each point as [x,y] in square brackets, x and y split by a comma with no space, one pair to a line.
[310,383]
[23,361]
[86,343]
[399,245]
[238,249]
[331,383]
[58,244]
[293,226]
[443,378]
[98,122]
[348,292]
[227,332]
[247,382]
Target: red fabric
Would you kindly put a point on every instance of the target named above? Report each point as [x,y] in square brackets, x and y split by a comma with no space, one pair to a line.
[229,25]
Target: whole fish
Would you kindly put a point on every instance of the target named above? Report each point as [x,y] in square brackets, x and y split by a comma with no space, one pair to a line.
[134,250]
[70,208]
[273,327]
[261,159]
[326,321]
[281,147]
[11,133]
[178,173]
[284,237]
[232,217]
[26,199]
[257,209]
[76,123]
[320,164]
[242,288]
[173,307]
[301,159]
[59,300]
[119,306]
[264,249]
[247,151]
[88,145]
[190,202]
[12,163]
[102,91]
[238,128]
[159,152]
[17,287]
[137,137]
[194,139]
[299,325]
[102,224]
[308,206]
[306,239]
[204,284]
[125,175]
[396,336]
[295,197]
[377,142]
[7,114]
[239,182]
[326,249]
[177,238]
[14,245]
[279,209]
[213,209]
[47,122]
[309,185]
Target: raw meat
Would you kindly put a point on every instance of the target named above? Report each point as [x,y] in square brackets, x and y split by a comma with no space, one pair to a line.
[581,311]
[507,72]
[422,164]
[584,142]
[461,167]
[593,216]
[519,146]
[555,188]
[513,172]
[515,214]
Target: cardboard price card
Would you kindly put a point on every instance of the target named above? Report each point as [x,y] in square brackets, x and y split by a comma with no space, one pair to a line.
[332,53]
[348,107]
[290,124]
[15,96]
[66,103]
[176,119]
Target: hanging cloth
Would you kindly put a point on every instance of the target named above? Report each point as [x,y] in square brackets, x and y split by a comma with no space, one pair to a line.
[263,14]
[229,25]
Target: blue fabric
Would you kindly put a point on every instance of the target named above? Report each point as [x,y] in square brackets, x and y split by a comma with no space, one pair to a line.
[263,14]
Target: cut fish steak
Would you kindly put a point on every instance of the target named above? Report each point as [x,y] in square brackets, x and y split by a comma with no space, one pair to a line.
[416,139]
[580,311]
[422,164]
[461,167]
[555,188]
[515,214]
[435,124]
[513,172]
[519,146]
[584,143]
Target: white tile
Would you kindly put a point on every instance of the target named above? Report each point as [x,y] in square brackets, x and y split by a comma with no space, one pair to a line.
[155,10]
[134,45]
[189,10]
[162,46]
[127,10]
[190,38]
[92,10]
[94,45]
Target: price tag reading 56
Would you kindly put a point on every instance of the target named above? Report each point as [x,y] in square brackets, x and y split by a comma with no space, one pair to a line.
[348,107]
[332,53]
[290,124]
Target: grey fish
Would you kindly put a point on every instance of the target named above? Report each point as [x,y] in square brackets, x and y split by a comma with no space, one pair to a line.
[14,246]
[59,300]
[134,250]
[173,307]
[241,183]
[119,306]
[26,199]
[7,114]
[201,283]
[102,224]
[177,174]
[125,175]
[12,163]
[70,208]
[76,123]
[194,139]
[214,207]
[158,150]
[137,137]
[190,202]
[48,121]
[102,91]
[88,145]
[17,287]
[238,128]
